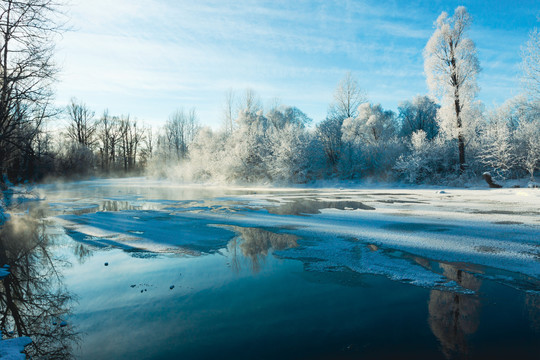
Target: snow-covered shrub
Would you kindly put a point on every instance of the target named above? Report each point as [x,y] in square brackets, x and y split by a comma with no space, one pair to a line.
[288,160]
[497,151]
[370,143]
[527,137]
[427,160]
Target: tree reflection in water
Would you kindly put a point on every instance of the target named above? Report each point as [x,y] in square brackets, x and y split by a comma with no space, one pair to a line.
[33,300]
[532,306]
[454,316]
[255,244]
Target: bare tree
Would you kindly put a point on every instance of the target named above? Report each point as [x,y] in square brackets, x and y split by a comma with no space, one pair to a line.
[147,151]
[82,127]
[229,112]
[27,29]
[347,98]
[250,103]
[451,66]
[131,136]
[109,135]
[180,131]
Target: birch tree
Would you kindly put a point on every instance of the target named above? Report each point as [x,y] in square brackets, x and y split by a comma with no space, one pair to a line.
[347,98]
[451,66]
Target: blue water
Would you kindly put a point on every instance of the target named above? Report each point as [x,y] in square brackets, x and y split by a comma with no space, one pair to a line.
[241,298]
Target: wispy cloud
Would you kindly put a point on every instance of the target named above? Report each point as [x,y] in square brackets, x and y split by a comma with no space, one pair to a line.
[148,57]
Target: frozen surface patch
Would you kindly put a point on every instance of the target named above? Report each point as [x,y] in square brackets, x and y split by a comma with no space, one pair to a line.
[155,231]
[338,254]
[4,271]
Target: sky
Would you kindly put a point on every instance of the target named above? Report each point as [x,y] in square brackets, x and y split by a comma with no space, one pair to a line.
[148,58]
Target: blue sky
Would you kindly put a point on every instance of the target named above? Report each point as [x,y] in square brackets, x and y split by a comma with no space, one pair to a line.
[148,58]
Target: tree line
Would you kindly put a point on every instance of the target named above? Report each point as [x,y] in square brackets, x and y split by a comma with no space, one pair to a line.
[444,136]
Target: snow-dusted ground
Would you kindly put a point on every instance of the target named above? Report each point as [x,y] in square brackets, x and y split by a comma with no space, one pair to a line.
[405,234]
[12,349]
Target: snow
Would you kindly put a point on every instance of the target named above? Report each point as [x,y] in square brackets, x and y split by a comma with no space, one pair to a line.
[404,234]
[4,271]
[11,349]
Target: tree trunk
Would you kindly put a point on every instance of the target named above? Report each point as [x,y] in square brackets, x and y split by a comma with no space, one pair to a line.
[459,124]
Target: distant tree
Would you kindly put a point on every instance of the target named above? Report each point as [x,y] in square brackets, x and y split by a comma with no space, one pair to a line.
[250,102]
[329,134]
[528,146]
[147,151]
[419,114]
[180,130]
[81,124]
[281,116]
[347,97]
[27,71]
[249,147]
[451,66]
[229,112]
[531,65]
[498,152]
[108,133]
[370,139]
[131,136]
[372,125]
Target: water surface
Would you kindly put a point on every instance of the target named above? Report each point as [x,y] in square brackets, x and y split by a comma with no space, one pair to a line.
[122,271]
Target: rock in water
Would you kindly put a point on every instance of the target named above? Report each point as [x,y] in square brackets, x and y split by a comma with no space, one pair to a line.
[489,180]
[106,264]
[171,287]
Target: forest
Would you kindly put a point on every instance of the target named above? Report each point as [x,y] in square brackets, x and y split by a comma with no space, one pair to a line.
[447,136]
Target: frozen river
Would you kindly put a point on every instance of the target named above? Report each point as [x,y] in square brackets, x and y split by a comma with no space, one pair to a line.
[151,269]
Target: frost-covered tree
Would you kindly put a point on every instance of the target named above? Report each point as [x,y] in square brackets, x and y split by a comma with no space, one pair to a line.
[527,137]
[372,125]
[281,116]
[416,166]
[509,139]
[370,139]
[248,146]
[497,152]
[451,66]
[419,114]
[210,156]
[329,135]
[347,97]
[425,160]
[289,159]
[531,65]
